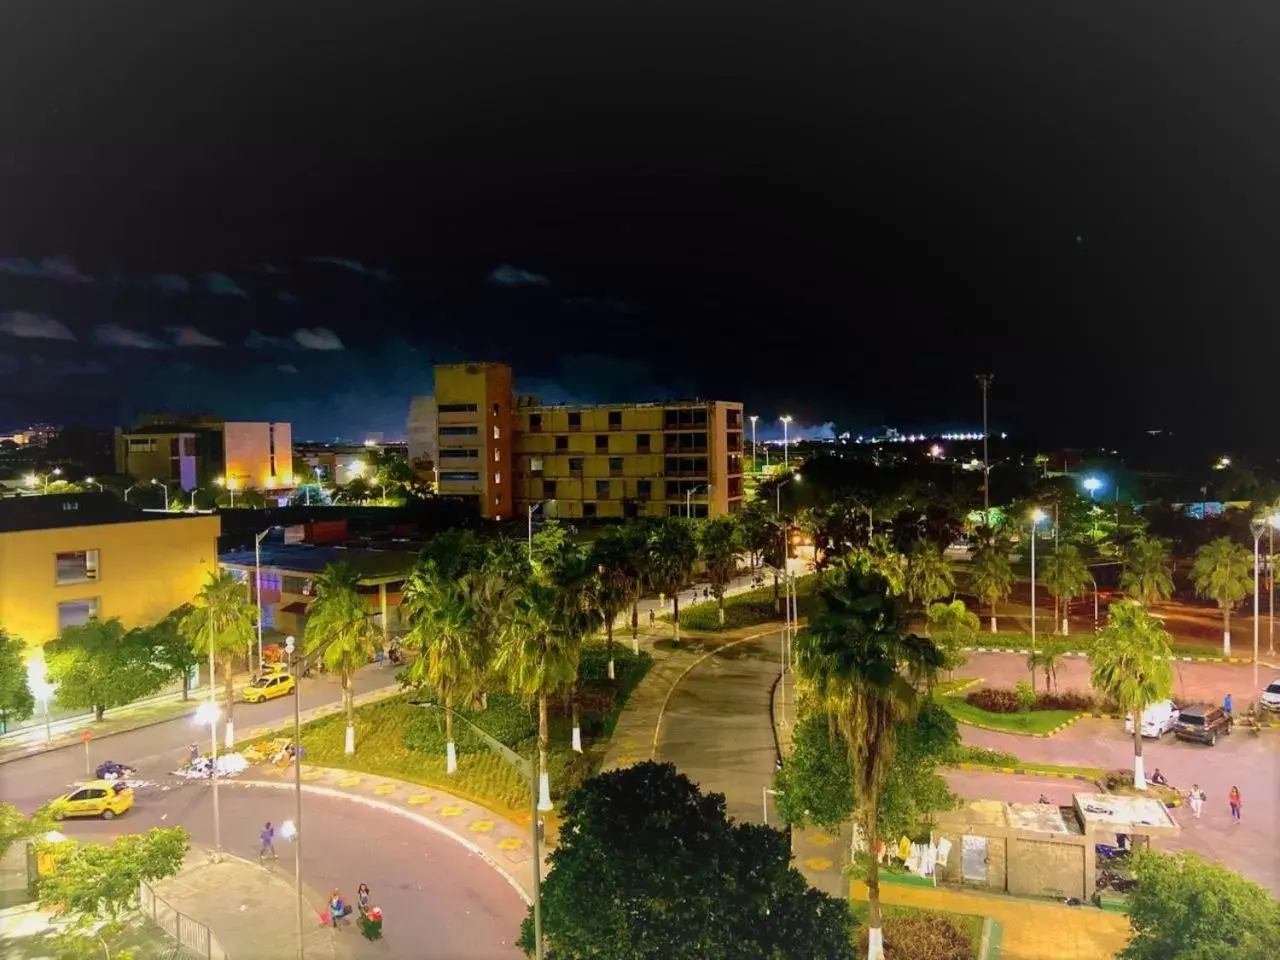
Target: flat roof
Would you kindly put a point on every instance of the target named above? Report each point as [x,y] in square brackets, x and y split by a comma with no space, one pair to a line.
[54,510]
[1041,817]
[373,566]
[1117,813]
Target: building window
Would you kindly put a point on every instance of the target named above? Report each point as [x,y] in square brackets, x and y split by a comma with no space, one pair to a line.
[143,445]
[548,489]
[74,613]
[675,510]
[535,465]
[497,479]
[497,455]
[575,421]
[457,408]
[188,446]
[497,432]
[459,431]
[497,408]
[295,585]
[456,476]
[615,466]
[562,443]
[671,466]
[575,465]
[459,453]
[79,566]
[602,489]
[602,442]
[700,418]
[615,419]
[588,510]
[644,489]
[642,442]
[535,423]
[673,489]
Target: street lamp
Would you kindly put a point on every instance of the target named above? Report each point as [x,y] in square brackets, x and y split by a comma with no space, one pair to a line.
[228,484]
[208,713]
[1036,516]
[533,507]
[193,491]
[257,585]
[297,780]
[755,466]
[1092,484]
[126,491]
[777,492]
[165,488]
[34,479]
[688,498]
[94,482]
[786,455]
[40,687]
[1257,527]
[537,784]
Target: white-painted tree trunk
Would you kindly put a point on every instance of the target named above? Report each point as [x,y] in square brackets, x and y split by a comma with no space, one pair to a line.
[721,613]
[1226,643]
[635,644]
[451,757]
[544,791]
[1139,774]
[577,739]
[229,739]
[611,671]
[1066,628]
[993,623]
[875,944]
[350,746]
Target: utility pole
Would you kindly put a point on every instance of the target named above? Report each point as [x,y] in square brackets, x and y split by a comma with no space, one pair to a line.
[984,381]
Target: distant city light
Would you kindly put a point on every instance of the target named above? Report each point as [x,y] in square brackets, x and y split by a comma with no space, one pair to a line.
[935,451]
[1223,463]
[1092,483]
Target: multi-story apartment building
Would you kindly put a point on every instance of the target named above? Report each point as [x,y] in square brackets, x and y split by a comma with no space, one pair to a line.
[422,433]
[602,460]
[68,558]
[200,452]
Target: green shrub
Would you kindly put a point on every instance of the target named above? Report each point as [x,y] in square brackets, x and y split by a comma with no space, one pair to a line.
[506,719]
[1026,695]
[568,770]
[994,700]
[1071,700]
[983,757]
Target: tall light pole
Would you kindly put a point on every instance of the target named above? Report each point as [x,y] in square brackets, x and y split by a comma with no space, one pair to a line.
[782,529]
[1271,586]
[194,490]
[297,783]
[1256,527]
[165,488]
[257,585]
[208,713]
[688,499]
[533,507]
[1036,516]
[786,449]
[984,381]
[94,482]
[527,768]
[755,465]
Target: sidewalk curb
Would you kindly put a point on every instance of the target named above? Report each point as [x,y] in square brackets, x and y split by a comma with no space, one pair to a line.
[385,807]
[662,711]
[1019,772]
[1014,733]
[1022,652]
[310,895]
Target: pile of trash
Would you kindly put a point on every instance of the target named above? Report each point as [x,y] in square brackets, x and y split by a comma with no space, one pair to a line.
[229,765]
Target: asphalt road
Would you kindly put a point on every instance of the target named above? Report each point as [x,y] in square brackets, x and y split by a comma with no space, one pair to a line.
[717,728]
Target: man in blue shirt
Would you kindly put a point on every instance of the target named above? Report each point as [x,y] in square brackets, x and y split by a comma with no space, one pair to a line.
[268,836]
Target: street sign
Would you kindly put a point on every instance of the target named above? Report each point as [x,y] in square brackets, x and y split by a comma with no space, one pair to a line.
[86,735]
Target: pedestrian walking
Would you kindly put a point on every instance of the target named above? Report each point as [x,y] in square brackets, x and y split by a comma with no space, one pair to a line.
[362,898]
[651,616]
[1196,798]
[1226,704]
[1233,798]
[268,837]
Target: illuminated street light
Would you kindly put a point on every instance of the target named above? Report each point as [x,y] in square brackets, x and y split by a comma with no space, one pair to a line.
[40,687]
[228,484]
[94,482]
[208,713]
[357,468]
[935,451]
[35,479]
[786,460]
[755,467]
[1223,462]
[165,488]
[1036,516]
[1092,484]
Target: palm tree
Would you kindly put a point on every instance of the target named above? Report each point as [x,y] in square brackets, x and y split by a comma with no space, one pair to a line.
[928,576]
[718,546]
[853,659]
[340,628]
[672,551]
[1130,661]
[1048,658]
[953,627]
[1148,570]
[537,663]
[576,616]
[1223,571]
[1067,577]
[613,589]
[221,625]
[991,577]
[442,627]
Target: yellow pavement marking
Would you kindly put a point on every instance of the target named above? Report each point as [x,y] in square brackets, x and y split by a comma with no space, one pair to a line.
[349,781]
[453,810]
[418,799]
[821,840]
[817,863]
[507,843]
[482,826]
[312,774]
[383,789]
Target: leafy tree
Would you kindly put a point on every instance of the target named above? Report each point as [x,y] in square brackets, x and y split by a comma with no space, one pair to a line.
[881,557]
[94,886]
[953,627]
[356,490]
[1130,662]
[862,665]
[1148,570]
[221,624]
[815,783]
[759,532]
[537,662]
[15,827]
[576,616]
[16,701]
[1223,572]
[1187,909]
[928,576]
[991,577]
[913,788]
[615,585]
[1066,577]
[1049,659]
[635,562]
[718,547]
[672,551]
[173,649]
[304,474]
[99,665]
[341,630]
[441,627]
[649,867]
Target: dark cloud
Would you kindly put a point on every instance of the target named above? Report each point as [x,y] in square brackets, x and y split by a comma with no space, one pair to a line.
[171,283]
[355,266]
[509,276]
[34,326]
[317,338]
[286,368]
[221,285]
[262,341]
[51,268]
[284,296]
[114,335]
[191,337]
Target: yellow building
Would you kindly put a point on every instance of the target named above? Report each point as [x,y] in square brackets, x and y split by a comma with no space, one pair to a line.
[603,460]
[240,455]
[65,559]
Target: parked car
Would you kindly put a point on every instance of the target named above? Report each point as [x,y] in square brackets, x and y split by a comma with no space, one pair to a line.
[1271,695]
[1157,719]
[1202,724]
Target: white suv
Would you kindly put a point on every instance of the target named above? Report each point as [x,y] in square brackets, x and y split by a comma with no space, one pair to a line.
[1157,719]
[1271,695]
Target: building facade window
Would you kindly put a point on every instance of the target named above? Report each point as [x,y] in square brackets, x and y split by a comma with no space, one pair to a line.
[457,408]
[575,465]
[497,454]
[562,443]
[588,510]
[644,489]
[575,421]
[75,613]
[142,444]
[535,423]
[615,419]
[463,476]
[459,431]
[615,466]
[602,489]
[602,442]
[548,489]
[642,443]
[497,479]
[78,566]
[459,453]
[535,465]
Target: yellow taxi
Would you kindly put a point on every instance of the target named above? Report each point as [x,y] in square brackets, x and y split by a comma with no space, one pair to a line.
[268,686]
[94,798]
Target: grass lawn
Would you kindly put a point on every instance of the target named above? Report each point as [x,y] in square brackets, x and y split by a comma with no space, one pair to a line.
[744,609]
[982,757]
[904,925]
[1036,721]
[946,688]
[395,739]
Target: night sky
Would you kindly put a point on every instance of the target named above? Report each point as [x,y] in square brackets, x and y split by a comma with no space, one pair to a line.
[839,210]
